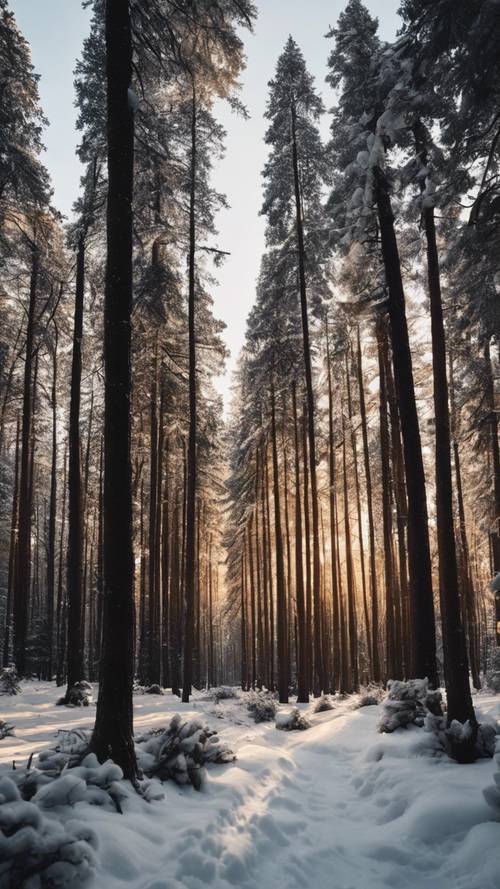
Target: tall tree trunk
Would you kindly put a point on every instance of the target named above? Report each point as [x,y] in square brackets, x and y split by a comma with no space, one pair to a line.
[281,604]
[12,550]
[51,540]
[23,560]
[165,569]
[333,537]
[303,689]
[467,580]
[61,596]
[423,622]
[401,521]
[351,600]
[390,629]
[75,499]
[354,449]
[319,681]
[375,654]
[113,730]
[456,667]
[190,566]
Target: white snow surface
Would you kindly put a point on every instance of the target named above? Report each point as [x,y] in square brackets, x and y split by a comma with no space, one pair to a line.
[338,806]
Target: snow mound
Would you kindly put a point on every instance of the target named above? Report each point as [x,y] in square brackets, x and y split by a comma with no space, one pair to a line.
[37,851]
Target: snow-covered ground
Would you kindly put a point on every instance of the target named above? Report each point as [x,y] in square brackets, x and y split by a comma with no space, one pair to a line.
[337,806]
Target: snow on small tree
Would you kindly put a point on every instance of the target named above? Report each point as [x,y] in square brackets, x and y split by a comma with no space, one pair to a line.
[294,721]
[179,751]
[262,706]
[40,851]
[9,682]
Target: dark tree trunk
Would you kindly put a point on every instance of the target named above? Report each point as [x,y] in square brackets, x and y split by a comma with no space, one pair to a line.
[281,604]
[468,590]
[75,499]
[390,630]
[375,654]
[354,449]
[165,569]
[113,731]
[12,551]
[351,602]
[61,596]
[319,681]
[401,521]
[23,560]
[51,538]
[456,667]
[418,538]
[190,565]
[333,537]
[303,690]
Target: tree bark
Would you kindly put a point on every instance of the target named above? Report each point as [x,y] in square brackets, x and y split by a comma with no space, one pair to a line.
[23,560]
[113,730]
[75,499]
[418,538]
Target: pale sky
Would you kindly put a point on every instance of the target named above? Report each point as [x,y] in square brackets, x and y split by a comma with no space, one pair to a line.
[56,29]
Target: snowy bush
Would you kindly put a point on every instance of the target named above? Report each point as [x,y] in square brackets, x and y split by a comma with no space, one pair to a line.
[492,793]
[79,695]
[407,703]
[293,721]
[262,706]
[37,852]
[6,730]
[153,690]
[461,741]
[322,704]
[493,671]
[179,751]
[9,682]
[222,693]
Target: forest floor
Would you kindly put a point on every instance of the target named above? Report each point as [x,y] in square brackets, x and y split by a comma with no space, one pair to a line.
[337,806]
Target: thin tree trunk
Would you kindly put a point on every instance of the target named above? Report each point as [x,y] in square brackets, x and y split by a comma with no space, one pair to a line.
[375,654]
[75,499]
[23,561]
[190,568]
[281,604]
[318,660]
[303,689]
[12,550]
[51,541]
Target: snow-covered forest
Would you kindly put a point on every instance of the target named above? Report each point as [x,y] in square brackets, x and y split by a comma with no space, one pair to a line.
[253,644]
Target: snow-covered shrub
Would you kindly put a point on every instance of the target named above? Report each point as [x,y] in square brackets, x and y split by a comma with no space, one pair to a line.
[179,751]
[37,852]
[262,706]
[154,689]
[492,792]
[79,695]
[294,721]
[9,682]
[222,693]
[407,703]
[6,730]
[322,704]
[493,671]
[462,741]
